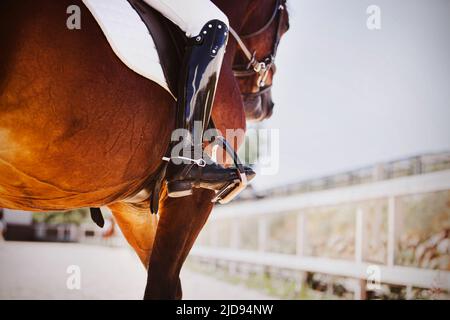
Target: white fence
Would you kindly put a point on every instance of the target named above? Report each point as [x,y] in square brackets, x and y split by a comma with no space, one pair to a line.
[356,268]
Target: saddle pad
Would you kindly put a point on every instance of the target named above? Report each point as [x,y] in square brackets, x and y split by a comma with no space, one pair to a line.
[129,38]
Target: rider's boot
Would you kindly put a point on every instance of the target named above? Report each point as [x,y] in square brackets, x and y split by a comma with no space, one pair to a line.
[201,68]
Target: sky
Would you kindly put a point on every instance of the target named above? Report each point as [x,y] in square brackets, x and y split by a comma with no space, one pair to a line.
[346,96]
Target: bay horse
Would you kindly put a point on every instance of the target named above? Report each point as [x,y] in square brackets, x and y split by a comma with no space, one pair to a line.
[80,129]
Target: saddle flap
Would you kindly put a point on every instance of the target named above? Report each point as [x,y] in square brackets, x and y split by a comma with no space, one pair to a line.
[169,40]
[143,39]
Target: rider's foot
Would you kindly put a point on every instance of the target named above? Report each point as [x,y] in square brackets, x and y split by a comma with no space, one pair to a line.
[198,82]
[182,178]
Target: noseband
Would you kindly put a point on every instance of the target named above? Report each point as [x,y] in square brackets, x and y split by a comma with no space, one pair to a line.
[261,68]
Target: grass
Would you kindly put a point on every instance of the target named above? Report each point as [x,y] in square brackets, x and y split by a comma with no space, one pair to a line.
[264,282]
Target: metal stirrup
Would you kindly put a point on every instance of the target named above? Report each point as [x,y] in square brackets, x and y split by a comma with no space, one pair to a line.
[234,188]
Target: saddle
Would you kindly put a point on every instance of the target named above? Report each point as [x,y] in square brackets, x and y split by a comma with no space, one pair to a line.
[169,40]
[170,43]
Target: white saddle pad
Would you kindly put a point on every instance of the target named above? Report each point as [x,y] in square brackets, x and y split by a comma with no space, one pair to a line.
[128,37]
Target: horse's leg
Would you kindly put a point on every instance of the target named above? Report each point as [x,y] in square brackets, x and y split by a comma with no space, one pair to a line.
[182,219]
[179,225]
[138,226]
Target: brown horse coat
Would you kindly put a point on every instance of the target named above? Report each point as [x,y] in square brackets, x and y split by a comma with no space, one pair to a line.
[79,129]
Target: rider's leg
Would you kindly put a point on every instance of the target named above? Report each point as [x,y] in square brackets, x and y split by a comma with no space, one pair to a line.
[189,15]
[200,73]
[207,30]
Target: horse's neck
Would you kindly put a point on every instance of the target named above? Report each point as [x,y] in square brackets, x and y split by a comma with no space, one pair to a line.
[235,12]
[236,15]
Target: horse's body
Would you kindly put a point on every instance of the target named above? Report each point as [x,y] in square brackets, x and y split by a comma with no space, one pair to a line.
[79,129]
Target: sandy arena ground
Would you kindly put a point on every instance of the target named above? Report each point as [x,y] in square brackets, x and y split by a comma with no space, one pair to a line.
[31,270]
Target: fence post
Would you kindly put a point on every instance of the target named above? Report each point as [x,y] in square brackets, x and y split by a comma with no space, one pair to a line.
[392,237]
[360,285]
[262,234]
[359,235]
[360,292]
[60,232]
[214,235]
[235,234]
[301,234]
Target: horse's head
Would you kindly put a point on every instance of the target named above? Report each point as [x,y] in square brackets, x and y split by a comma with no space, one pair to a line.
[257,39]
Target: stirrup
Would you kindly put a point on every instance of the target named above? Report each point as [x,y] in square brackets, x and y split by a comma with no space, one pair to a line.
[232,189]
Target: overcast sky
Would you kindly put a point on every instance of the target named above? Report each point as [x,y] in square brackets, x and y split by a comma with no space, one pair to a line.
[347,96]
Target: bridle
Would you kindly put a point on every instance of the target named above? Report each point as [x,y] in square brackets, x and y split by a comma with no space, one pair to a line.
[261,68]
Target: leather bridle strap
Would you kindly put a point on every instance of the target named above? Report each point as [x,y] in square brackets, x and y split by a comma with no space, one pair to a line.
[241,44]
[279,6]
[254,66]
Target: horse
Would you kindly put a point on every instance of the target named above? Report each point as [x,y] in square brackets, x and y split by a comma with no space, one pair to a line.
[80,129]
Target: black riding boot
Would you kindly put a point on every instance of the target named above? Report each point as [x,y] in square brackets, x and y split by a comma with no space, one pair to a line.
[202,63]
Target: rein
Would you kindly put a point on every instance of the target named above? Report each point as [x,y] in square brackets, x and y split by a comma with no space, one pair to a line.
[261,68]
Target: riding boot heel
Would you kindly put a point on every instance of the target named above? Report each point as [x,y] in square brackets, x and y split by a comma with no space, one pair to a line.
[177,189]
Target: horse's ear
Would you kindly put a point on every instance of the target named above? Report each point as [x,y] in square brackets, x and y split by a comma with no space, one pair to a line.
[97,217]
